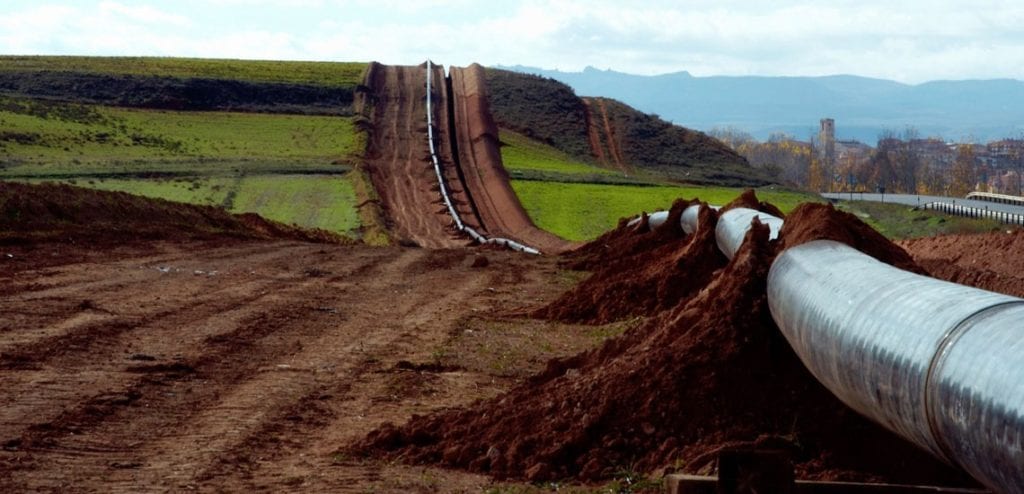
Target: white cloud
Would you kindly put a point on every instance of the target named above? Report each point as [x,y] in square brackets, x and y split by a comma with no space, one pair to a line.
[912,41]
[144,14]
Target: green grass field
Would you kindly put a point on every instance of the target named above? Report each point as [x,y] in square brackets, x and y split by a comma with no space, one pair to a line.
[65,136]
[897,221]
[310,201]
[579,211]
[287,168]
[520,153]
[330,74]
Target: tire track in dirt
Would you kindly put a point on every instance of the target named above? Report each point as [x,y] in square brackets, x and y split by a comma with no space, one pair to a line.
[614,155]
[256,391]
[77,320]
[311,424]
[106,349]
[241,362]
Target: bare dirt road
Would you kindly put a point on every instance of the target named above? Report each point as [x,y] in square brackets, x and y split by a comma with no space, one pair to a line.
[234,365]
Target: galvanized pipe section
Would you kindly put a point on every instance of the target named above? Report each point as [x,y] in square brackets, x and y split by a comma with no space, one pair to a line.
[940,364]
[688,221]
[733,225]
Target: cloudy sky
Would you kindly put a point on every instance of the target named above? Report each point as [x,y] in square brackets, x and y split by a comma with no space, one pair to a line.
[906,40]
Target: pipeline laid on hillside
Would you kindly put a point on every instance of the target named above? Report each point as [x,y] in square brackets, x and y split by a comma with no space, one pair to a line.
[445,194]
[938,363]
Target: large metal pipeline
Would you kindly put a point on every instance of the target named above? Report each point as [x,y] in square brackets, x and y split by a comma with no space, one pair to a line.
[732,225]
[938,363]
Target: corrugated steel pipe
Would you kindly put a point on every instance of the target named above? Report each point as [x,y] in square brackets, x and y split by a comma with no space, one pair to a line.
[938,363]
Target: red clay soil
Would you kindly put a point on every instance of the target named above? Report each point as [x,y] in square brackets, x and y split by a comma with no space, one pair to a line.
[991,261]
[653,271]
[485,177]
[811,221]
[710,373]
[172,348]
[748,199]
[637,271]
[398,156]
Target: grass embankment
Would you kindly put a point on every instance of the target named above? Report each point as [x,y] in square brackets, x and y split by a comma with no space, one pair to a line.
[283,167]
[898,221]
[329,74]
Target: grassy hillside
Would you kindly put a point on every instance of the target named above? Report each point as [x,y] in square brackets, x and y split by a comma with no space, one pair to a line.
[541,109]
[311,201]
[69,214]
[548,111]
[523,154]
[680,154]
[323,88]
[65,135]
[283,167]
[328,74]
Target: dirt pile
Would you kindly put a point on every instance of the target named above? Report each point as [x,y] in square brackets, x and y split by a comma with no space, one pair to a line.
[990,261]
[711,372]
[57,212]
[811,222]
[641,272]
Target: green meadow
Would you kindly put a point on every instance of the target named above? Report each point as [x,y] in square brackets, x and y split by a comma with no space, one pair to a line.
[288,168]
[62,136]
[329,74]
[581,211]
[580,201]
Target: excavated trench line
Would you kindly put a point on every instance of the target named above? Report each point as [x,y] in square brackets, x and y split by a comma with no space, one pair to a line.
[938,363]
[460,174]
[408,171]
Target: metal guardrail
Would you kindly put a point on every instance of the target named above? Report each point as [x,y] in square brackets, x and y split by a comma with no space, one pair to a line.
[446,196]
[996,198]
[972,212]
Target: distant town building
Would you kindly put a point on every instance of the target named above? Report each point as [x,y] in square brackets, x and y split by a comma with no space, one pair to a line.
[827,140]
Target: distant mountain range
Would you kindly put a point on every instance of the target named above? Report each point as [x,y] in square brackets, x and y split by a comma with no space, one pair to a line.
[863,108]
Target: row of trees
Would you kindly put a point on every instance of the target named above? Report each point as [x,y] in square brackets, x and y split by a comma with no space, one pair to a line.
[901,163]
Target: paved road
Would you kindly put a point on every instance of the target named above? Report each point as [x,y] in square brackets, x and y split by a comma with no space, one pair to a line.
[917,200]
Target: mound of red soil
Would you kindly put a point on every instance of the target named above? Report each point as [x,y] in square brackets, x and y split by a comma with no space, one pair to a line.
[810,221]
[638,271]
[57,212]
[625,240]
[748,199]
[712,372]
[991,261]
[654,271]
